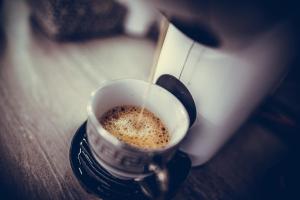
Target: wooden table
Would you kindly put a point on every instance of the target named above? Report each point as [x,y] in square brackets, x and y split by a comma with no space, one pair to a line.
[44,88]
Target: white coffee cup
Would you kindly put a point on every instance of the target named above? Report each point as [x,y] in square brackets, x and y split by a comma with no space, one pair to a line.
[123,160]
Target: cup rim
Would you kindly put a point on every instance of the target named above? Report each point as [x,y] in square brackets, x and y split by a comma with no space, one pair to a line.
[115,141]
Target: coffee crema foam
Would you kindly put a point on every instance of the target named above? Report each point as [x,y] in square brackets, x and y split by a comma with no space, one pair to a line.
[148,133]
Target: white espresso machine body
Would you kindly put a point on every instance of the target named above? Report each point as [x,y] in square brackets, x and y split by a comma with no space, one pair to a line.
[226,85]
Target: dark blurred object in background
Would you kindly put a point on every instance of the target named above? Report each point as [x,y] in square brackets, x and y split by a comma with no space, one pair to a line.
[80,19]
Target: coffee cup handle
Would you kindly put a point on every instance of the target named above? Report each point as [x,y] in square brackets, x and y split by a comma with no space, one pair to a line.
[158,186]
[177,169]
[162,177]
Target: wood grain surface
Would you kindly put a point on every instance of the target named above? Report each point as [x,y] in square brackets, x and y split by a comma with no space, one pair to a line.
[44,89]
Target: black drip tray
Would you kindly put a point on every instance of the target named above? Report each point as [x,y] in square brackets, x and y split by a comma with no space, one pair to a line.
[95,179]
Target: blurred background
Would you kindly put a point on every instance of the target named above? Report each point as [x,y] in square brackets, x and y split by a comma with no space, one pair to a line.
[81,33]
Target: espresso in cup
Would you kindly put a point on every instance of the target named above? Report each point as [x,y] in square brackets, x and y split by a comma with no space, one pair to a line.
[146,131]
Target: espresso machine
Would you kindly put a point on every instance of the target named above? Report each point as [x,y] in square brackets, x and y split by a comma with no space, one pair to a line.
[220,60]
[229,57]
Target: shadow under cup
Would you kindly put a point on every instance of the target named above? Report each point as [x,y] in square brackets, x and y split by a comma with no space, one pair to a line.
[120,159]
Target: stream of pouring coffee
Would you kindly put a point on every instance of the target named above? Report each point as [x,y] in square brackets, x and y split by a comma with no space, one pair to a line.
[162,34]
